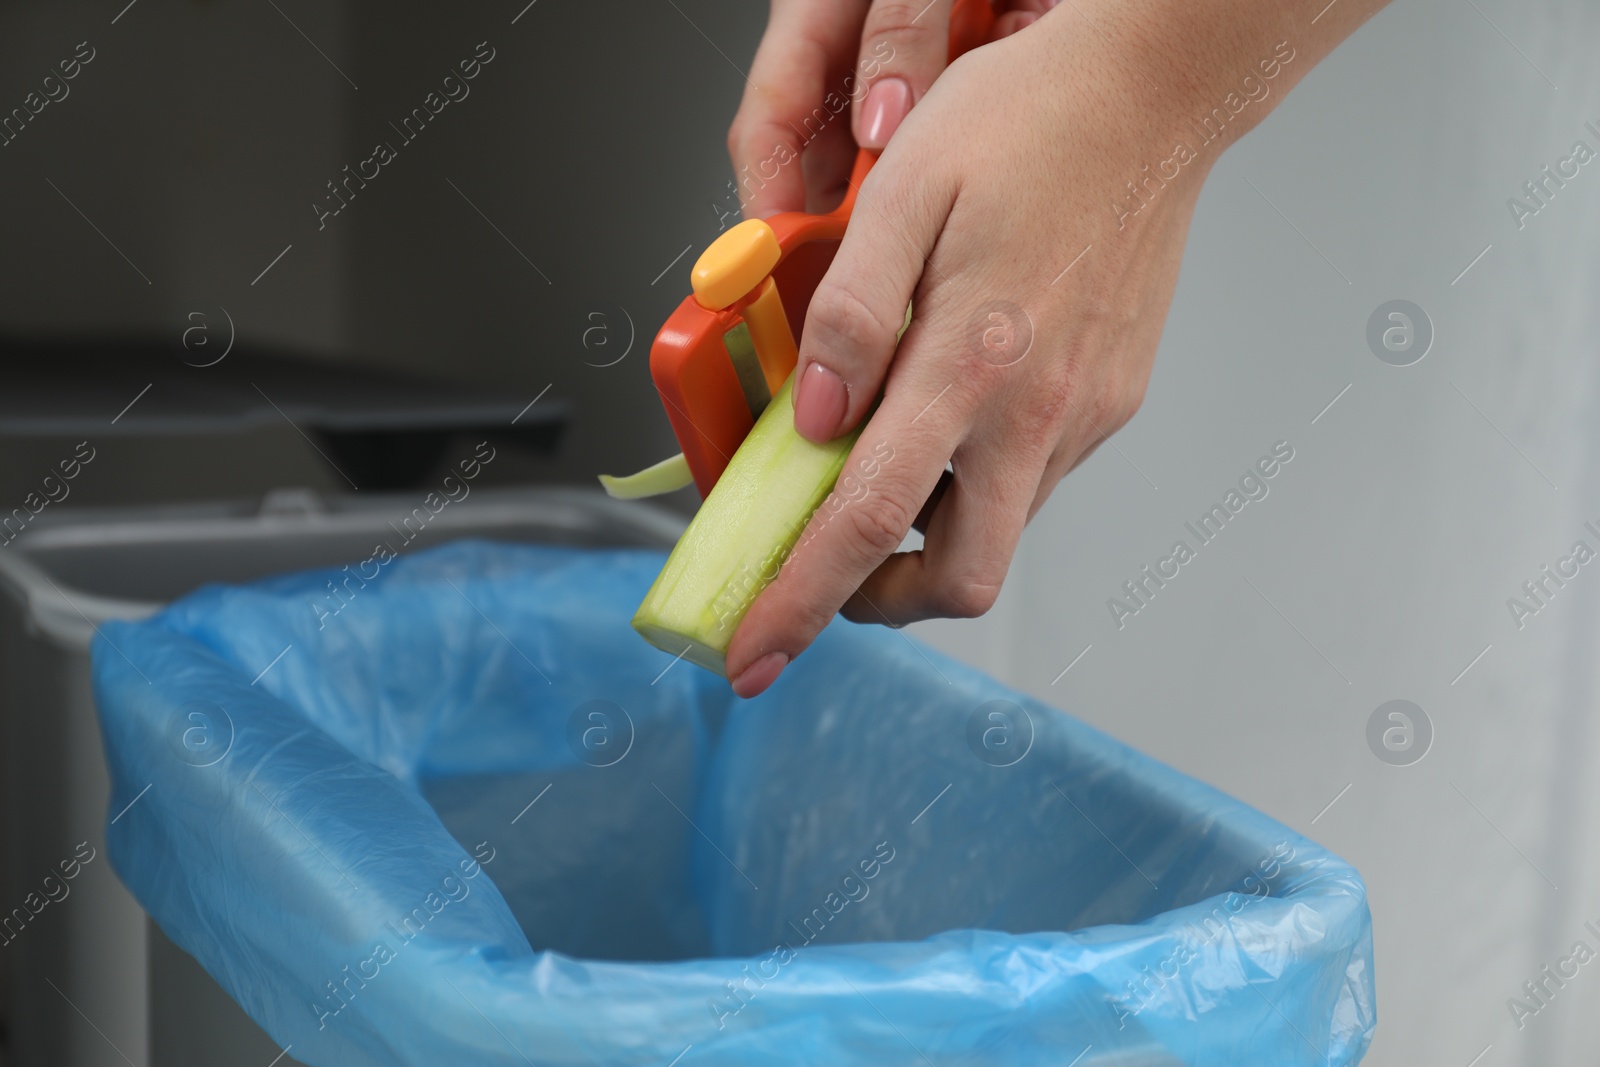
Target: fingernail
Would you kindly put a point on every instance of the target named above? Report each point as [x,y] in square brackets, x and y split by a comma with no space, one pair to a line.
[888,103]
[819,403]
[754,679]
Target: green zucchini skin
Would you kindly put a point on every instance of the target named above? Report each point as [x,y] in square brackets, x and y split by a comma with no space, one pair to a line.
[741,536]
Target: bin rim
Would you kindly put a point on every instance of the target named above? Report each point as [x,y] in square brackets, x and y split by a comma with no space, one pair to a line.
[71,615]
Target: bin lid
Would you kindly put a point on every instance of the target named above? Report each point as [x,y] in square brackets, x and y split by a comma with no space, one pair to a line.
[385,428]
[116,386]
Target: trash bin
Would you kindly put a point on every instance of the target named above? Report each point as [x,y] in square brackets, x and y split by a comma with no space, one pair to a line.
[87,979]
[470,818]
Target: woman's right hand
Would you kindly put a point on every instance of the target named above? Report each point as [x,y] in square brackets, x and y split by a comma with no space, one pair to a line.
[791,143]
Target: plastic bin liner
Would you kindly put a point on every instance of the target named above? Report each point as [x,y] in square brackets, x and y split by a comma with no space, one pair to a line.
[450,809]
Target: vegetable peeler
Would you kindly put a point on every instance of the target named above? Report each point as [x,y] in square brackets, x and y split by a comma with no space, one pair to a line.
[724,353]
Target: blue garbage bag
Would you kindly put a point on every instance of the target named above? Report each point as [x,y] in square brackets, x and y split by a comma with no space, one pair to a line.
[450,809]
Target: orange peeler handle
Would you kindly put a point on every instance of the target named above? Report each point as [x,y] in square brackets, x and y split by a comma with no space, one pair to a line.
[737,284]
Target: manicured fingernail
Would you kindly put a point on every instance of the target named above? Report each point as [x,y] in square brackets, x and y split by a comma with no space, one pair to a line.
[754,679]
[888,103]
[819,402]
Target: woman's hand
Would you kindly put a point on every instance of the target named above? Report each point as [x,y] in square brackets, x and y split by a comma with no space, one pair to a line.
[1034,208]
[879,56]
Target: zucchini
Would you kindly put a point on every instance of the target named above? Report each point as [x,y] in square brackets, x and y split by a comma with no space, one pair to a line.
[741,536]
[670,474]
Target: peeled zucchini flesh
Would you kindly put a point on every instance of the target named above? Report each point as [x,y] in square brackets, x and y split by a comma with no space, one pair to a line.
[741,536]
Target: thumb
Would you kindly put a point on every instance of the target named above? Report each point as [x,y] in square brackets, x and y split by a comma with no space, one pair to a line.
[782,101]
[904,47]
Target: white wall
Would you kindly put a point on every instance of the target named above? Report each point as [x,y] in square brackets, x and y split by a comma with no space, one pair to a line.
[1394,538]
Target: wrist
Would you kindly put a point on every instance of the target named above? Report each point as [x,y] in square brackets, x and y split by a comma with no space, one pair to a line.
[1198,72]
[1210,70]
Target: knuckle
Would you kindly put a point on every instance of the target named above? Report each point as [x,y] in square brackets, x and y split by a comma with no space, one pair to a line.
[859,613]
[812,619]
[1104,403]
[901,23]
[1115,402]
[845,319]
[791,608]
[1098,307]
[966,598]
[877,525]
[1051,404]
[1097,404]
[751,135]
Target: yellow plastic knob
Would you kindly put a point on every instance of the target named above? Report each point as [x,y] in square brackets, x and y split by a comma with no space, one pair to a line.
[736,263]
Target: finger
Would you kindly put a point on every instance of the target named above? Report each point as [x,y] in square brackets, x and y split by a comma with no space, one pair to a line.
[898,461]
[905,44]
[966,551]
[931,505]
[785,86]
[1075,448]
[827,164]
[1062,463]
[857,311]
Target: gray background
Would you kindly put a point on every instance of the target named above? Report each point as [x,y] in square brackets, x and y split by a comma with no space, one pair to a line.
[1394,538]
[1381,560]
